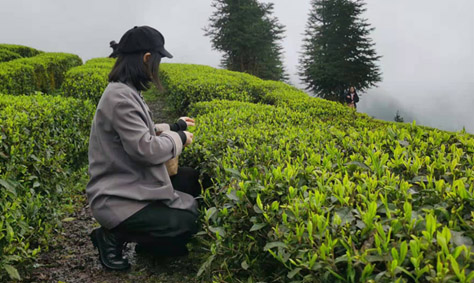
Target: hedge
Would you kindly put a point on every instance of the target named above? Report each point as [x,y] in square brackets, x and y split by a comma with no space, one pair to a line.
[23,51]
[194,83]
[309,190]
[7,55]
[299,197]
[187,83]
[44,72]
[89,80]
[43,139]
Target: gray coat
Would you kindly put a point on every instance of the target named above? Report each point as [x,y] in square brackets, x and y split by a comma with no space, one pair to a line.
[126,159]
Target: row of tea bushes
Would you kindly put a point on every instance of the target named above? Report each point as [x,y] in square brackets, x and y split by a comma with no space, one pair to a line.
[43,72]
[309,190]
[89,80]
[301,197]
[7,55]
[189,84]
[43,140]
[20,50]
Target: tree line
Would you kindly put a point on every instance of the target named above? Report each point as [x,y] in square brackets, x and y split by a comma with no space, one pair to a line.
[337,52]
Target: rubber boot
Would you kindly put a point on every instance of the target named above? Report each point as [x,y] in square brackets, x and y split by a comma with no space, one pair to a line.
[110,249]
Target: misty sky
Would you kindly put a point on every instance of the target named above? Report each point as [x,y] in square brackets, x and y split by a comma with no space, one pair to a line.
[427,45]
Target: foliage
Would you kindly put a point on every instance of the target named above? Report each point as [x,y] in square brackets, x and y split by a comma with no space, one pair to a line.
[43,139]
[248,36]
[305,189]
[337,50]
[44,72]
[309,190]
[188,84]
[23,51]
[7,55]
[89,80]
[304,197]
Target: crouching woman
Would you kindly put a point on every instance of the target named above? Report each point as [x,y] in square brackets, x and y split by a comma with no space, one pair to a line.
[130,191]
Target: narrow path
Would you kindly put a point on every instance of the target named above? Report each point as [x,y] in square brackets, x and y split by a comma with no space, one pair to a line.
[72,258]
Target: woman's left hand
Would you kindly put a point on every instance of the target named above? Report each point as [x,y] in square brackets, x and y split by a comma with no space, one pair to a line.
[189,121]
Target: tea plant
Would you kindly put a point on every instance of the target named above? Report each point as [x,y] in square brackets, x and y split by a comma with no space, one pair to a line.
[7,55]
[332,201]
[89,80]
[23,51]
[43,72]
[43,141]
[305,190]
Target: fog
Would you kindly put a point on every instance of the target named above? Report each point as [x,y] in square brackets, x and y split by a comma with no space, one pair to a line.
[427,45]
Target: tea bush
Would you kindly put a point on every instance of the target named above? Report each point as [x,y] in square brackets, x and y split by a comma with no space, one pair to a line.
[44,72]
[89,80]
[188,84]
[23,51]
[43,140]
[309,190]
[308,198]
[7,55]
[304,189]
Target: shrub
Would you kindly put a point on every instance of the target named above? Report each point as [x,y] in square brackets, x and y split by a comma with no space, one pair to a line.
[89,80]
[306,198]
[7,55]
[309,190]
[44,72]
[23,51]
[42,140]
[188,84]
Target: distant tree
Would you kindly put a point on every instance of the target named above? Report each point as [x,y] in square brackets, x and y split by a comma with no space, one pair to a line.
[249,36]
[337,51]
[398,117]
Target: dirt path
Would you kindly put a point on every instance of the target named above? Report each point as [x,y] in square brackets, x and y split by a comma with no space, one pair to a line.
[72,258]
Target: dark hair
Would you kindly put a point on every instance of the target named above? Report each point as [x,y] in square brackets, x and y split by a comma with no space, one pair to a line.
[130,68]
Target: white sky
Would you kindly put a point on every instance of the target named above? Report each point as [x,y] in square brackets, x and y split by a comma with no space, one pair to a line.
[427,45]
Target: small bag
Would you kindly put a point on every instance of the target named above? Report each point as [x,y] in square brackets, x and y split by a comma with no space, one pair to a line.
[172,166]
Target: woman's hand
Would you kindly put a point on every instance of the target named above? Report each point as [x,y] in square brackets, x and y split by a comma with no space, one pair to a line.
[189,138]
[189,121]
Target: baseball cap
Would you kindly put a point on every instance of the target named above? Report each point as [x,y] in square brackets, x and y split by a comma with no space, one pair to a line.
[142,39]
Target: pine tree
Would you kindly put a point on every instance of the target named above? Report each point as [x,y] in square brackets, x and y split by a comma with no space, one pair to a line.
[249,36]
[337,51]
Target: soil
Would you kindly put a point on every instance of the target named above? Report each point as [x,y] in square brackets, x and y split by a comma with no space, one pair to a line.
[72,257]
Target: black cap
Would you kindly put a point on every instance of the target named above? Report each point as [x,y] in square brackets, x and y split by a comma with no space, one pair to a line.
[143,39]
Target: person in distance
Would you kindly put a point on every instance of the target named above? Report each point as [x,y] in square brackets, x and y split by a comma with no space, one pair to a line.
[352,98]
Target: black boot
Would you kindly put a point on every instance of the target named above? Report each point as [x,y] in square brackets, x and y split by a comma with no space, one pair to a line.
[110,249]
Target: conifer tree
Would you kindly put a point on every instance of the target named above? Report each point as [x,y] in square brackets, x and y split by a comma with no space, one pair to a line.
[337,51]
[248,35]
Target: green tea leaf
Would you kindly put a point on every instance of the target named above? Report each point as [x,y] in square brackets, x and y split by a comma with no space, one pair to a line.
[12,272]
[272,245]
[257,226]
[292,273]
[8,186]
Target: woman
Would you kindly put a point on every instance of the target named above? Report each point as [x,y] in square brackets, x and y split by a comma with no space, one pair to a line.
[352,98]
[130,192]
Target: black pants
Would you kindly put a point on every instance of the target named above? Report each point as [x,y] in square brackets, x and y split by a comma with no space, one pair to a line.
[158,226]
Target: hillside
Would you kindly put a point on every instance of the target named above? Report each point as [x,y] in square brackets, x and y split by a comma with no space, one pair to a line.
[304,189]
